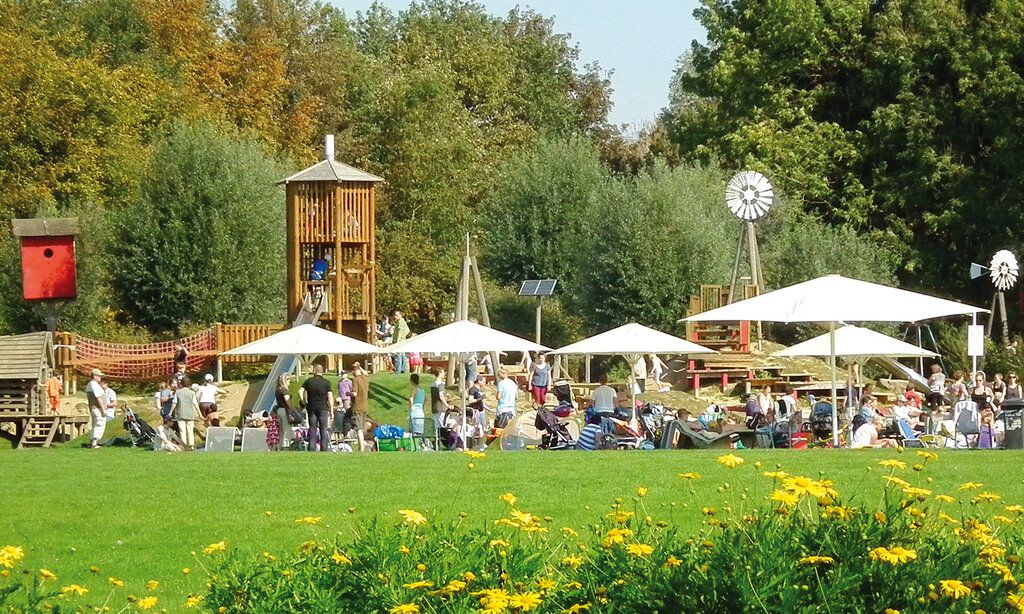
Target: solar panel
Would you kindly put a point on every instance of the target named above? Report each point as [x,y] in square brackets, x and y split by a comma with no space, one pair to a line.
[538,287]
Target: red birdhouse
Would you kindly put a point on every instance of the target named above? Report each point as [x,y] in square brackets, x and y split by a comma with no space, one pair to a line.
[48,270]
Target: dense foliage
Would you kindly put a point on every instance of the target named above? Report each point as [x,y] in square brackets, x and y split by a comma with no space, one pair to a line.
[896,119]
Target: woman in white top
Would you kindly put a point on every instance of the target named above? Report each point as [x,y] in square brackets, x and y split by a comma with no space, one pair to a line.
[866,436]
[658,368]
[766,403]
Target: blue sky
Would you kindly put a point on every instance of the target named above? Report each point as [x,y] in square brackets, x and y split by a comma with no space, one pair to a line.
[638,41]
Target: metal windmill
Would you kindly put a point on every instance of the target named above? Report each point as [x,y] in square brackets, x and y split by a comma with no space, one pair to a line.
[749,195]
[1003,271]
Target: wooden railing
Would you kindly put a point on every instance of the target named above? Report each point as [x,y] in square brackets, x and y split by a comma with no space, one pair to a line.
[230,336]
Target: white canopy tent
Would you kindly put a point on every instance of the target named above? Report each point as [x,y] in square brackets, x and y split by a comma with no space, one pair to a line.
[632,341]
[833,300]
[463,338]
[856,343]
[305,340]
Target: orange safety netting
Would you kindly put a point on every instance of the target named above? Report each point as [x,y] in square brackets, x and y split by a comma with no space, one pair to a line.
[143,361]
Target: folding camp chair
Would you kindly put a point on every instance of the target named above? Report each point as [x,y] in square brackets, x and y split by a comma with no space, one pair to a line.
[966,422]
[908,438]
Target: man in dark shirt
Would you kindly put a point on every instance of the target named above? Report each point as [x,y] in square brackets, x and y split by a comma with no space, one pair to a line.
[318,396]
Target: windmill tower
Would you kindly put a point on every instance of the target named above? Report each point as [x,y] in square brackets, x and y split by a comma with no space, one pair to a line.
[1003,272]
[331,246]
[749,195]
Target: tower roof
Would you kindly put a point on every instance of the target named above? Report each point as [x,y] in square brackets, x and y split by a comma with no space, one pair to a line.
[332,170]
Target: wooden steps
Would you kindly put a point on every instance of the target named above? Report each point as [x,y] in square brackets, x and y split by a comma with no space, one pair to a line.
[39,431]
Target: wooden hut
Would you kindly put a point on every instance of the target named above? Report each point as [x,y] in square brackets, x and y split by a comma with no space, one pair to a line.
[26,362]
[332,243]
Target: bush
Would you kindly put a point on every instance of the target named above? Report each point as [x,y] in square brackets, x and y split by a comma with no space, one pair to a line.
[205,243]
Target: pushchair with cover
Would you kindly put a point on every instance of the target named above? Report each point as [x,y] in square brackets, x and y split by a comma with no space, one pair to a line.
[555,435]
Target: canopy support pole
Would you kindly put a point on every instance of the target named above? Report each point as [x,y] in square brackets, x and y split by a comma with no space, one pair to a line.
[832,369]
[586,368]
[974,359]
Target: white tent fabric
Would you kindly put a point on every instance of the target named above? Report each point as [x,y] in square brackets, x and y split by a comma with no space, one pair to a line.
[464,337]
[308,340]
[856,342]
[835,298]
[633,339]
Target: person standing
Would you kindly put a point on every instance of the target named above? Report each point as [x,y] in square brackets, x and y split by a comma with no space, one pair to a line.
[185,410]
[438,399]
[319,399]
[110,407]
[1013,390]
[507,393]
[471,369]
[208,394]
[401,334]
[640,373]
[658,370]
[540,378]
[416,400]
[283,396]
[97,399]
[54,386]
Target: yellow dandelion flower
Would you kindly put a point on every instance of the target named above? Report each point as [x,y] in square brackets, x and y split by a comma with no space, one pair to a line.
[621,516]
[572,561]
[1014,509]
[840,512]
[639,549]
[14,553]
[1002,571]
[918,493]
[731,460]
[641,491]
[194,601]
[970,486]
[74,589]
[525,602]
[689,476]
[418,584]
[954,589]
[115,581]
[46,574]
[405,608]
[340,559]
[147,603]
[403,549]
[576,608]
[891,611]
[788,499]
[1016,601]
[546,584]
[895,481]
[892,463]
[945,499]
[776,475]
[988,497]
[815,559]
[673,562]
[509,498]
[474,454]
[412,517]
[186,570]
[946,517]
[310,520]
[499,543]
[880,518]
[570,532]
[214,548]
[420,567]
[469,576]
[804,486]
[152,585]
[896,555]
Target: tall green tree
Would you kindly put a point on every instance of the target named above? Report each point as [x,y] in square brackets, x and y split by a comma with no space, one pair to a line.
[200,245]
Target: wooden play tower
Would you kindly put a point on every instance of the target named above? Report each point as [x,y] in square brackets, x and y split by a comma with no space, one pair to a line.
[332,243]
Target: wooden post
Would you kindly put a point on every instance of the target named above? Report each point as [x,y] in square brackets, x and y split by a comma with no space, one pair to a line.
[540,304]
[485,317]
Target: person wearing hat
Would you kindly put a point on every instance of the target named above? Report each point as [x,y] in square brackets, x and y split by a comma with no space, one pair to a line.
[207,395]
[97,398]
[904,410]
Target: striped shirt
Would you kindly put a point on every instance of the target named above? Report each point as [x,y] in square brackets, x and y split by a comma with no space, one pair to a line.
[588,437]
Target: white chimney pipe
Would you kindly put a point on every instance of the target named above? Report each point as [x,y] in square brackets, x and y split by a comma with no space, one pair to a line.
[329,147]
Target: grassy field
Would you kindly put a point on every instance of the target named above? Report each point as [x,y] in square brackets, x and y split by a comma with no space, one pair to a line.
[139,515]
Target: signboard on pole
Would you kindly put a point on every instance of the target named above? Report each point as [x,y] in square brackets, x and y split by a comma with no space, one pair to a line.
[976,340]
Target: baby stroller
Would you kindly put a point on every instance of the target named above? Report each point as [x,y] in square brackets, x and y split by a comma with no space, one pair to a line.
[563,392]
[448,432]
[651,420]
[555,434]
[138,429]
[821,420]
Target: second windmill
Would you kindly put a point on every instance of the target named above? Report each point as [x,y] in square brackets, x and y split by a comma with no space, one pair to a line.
[749,195]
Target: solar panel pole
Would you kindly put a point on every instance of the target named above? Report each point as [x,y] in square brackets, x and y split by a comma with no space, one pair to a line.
[540,304]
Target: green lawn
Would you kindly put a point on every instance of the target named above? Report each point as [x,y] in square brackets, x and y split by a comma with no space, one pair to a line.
[138,515]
